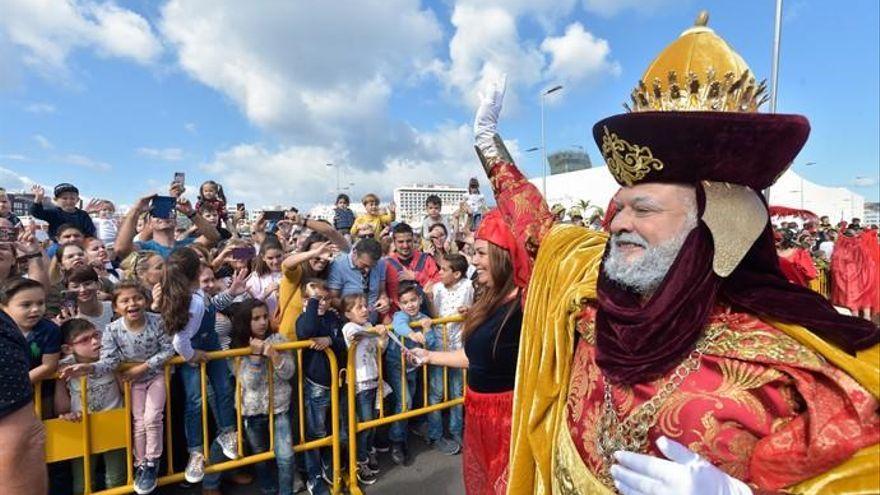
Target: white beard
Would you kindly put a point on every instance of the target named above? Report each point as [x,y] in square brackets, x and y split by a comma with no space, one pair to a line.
[644,274]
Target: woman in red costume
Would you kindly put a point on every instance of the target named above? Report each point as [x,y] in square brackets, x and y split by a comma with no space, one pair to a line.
[491,340]
[855,273]
[795,262]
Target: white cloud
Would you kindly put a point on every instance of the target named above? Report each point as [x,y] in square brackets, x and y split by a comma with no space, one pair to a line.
[578,55]
[40,108]
[49,30]
[864,181]
[13,181]
[14,156]
[167,154]
[311,72]
[250,172]
[190,127]
[85,162]
[43,141]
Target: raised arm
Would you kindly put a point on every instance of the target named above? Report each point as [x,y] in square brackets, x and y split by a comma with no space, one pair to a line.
[518,200]
[124,239]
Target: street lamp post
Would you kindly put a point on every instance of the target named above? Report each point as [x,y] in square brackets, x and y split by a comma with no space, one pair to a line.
[543,143]
[338,170]
[802,184]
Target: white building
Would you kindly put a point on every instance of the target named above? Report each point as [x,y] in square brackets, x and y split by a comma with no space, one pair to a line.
[791,190]
[410,201]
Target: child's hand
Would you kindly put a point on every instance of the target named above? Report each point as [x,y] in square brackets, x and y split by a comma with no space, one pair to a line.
[74,417]
[269,351]
[75,371]
[184,206]
[320,343]
[198,356]
[157,296]
[382,304]
[134,372]
[426,324]
[64,315]
[381,330]
[269,290]
[38,192]
[238,283]
[257,346]
[417,337]
[176,190]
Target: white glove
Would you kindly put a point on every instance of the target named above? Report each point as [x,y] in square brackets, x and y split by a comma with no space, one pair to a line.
[486,120]
[686,473]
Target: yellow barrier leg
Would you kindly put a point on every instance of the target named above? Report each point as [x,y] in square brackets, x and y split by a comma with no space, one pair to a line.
[126,389]
[87,441]
[169,454]
[353,486]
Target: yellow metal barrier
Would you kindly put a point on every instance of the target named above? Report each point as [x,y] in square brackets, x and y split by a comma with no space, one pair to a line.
[355,426]
[99,432]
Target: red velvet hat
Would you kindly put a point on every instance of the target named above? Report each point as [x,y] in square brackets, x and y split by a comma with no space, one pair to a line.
[693,117]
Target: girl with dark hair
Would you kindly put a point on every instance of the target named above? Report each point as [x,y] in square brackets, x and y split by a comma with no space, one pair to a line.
[190,317]
[491,340]
[250,328]
[265,278]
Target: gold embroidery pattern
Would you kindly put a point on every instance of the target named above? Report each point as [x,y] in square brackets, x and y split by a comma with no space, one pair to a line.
[628,163]
[763,346]
[731,455]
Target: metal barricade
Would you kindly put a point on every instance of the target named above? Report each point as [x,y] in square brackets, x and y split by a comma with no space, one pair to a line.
[355,426]
[99,432]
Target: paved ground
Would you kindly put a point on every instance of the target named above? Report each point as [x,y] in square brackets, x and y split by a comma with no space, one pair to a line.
[431,473]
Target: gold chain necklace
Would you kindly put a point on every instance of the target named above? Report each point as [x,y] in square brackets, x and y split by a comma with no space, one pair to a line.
[631,433]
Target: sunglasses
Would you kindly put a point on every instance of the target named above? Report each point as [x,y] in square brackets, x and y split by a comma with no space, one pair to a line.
[84,339]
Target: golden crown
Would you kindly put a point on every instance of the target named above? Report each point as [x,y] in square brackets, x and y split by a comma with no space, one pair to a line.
[698,71]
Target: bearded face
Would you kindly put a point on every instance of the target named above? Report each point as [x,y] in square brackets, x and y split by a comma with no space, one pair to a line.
[651,225]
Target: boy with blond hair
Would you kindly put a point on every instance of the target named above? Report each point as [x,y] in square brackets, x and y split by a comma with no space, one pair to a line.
[374,217]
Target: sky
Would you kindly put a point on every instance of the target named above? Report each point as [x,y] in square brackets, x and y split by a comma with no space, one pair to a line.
[260,96]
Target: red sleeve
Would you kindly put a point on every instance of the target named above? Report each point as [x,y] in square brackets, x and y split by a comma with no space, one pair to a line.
[430,273]
[522,205]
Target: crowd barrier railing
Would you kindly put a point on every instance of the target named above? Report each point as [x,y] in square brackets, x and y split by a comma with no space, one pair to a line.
[100,432]
[355,426]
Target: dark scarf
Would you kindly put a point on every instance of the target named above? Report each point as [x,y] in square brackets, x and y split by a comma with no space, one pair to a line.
[639,342]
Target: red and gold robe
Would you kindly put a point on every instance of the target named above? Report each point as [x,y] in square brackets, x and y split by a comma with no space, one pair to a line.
[770,404]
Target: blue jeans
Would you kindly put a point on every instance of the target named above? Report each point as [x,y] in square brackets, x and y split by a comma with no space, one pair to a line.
[435,396]
[317,410]
[256,432]
[397,433]
[365,405]
[220,381]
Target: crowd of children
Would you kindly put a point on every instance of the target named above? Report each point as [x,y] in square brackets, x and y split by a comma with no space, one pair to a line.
[109,303]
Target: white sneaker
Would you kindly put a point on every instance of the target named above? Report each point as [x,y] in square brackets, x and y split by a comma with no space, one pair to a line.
[229,443]
[195,468]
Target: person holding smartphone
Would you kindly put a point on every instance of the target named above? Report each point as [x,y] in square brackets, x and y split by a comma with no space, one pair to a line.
[163,229]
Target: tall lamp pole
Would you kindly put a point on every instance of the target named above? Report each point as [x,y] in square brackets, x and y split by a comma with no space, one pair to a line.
[774,68]
[543,143]
[338,171]
[802,184]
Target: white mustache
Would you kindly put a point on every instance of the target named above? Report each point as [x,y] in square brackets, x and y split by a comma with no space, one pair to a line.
[629,237]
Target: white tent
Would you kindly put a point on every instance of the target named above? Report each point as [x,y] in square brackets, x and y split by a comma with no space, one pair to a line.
[598,186]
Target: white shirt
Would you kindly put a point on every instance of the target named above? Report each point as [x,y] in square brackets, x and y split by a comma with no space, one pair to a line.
[365,359]
[827,247]
[256,285]
[476,202]
[101,321]
[103,391]
[448,300]
[105,229]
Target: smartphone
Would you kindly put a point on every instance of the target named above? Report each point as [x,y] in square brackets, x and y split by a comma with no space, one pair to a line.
[68,300]
[273,215]
[239,206]
[8,234]
[243,253]
[179,177]
[162,206]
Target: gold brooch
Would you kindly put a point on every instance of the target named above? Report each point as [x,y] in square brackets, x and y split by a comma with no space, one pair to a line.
[628,163]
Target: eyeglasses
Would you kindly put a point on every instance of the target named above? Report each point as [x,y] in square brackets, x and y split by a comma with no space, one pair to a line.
[84,339]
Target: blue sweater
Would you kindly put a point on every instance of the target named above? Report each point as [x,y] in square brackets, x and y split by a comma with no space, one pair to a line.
[311,325]
[57,217]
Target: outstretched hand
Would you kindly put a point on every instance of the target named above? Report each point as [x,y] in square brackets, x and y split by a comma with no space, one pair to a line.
[486,120]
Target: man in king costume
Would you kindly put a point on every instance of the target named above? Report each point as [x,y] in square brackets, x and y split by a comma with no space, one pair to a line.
[670,355]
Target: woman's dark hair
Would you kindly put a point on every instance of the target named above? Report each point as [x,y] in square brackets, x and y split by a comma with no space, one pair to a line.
[82,274]
[491,298]
[12,286]
[241,321]
[260,266]
[68,226]
[181,270]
